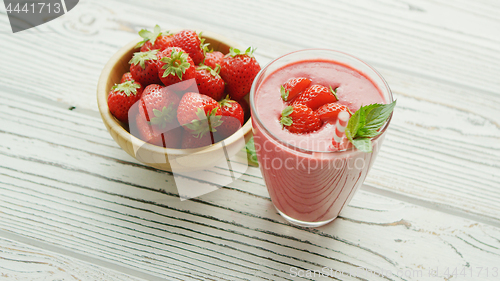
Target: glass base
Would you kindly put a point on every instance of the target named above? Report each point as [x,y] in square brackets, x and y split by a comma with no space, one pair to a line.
[304,223]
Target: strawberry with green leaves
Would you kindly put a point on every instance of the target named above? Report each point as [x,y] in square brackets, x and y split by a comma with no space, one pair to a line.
[122,97]
[213,59]
[316,96]
[175,65]
[232,117]
[199,114]
[209,82]
[238,69]
[294,86]
[329,112]
[299,119]
[192,43]
[156,120]
[143,67]
[155,40]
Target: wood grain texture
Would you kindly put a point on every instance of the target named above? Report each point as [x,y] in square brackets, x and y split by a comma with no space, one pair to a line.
[24,262]
[65,183]
[441,60]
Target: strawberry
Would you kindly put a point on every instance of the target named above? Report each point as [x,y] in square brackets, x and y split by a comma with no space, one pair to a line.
[209,82]
[329,111]
[198,113]
[232,117]
[156,117]
[190,140]
[155,40]
[127,77]
[300,119]
[315,96]
[175,65]
[213,58]
[147,132]
[156,99]
[143,68]
[192,43]
[122,97]
[293,87]
[238,71]
[245,107]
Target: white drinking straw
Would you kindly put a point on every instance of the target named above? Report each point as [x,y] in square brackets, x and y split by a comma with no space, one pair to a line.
[340,125]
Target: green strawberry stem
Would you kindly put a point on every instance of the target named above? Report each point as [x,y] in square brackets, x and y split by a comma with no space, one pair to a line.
[235,52]
[285,120]
[163,117]
[150,36]
[127,87]
[141,58]
[284,93]
[176,64]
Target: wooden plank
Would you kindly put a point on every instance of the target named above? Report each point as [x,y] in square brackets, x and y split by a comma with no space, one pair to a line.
[71,189]
[24,262]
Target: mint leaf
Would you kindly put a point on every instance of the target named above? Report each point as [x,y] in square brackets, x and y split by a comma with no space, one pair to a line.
[356,121]
[377,114]
[365,123]
[363,144]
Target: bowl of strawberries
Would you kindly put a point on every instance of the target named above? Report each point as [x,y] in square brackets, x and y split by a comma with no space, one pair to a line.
[178,101]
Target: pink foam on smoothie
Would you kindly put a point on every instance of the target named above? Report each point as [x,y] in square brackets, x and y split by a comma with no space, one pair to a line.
[354,90]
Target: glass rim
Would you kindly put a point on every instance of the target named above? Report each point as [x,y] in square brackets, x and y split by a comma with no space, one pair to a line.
[274,137]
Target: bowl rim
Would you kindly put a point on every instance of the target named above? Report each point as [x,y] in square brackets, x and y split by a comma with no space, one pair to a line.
[116,127]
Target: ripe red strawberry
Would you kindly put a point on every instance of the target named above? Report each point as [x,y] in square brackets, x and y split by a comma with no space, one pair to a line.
[245,107]
[315,96]
[155,40]
[191,140]
[122,97]
[293,87]
[143,68]
[300,119]
[232,117]
[157,99]
[213,58]
[175,65]
[238,71]
[127,76]
[209,82]
[156,120]
[330,111]
[192,43]
[198,113]
[148,132]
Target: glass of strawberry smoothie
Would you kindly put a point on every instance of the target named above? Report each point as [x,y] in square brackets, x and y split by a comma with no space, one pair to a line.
[309,180]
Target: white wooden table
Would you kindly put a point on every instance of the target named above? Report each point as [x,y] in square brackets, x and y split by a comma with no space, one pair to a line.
[74,206]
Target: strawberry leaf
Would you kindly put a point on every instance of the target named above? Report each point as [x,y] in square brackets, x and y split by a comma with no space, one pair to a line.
[235,52]
[127,87]
[176,64]
[163,117]
[141,58]
[284,93]
[227,102]
[285,120]
[149,36]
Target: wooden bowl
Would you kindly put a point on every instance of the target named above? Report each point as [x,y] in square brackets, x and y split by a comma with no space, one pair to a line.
[178,160]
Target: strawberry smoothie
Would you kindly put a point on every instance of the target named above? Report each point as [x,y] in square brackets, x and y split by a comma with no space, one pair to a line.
[309,180]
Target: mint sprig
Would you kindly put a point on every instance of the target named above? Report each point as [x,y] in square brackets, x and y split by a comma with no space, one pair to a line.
[365,123]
